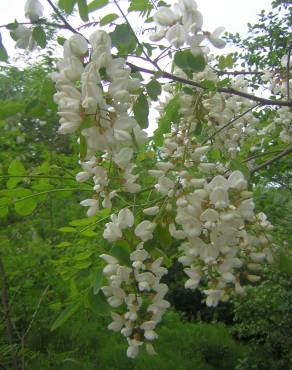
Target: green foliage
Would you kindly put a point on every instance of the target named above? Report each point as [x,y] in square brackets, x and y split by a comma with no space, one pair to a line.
[141,110]
[189,63]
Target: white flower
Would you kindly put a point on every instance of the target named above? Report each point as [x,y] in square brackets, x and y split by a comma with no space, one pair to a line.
[33,10]
[164,184]
[219,197]
[144,230]
[24,38]
[118,322]
[151,211]
[93,206]
[176,35]
[214,296]
[148,327]
[123,157]
[214,38]
[125,218]
[237,181]
[77,45]
[112,232]
[165,16]
[133,348]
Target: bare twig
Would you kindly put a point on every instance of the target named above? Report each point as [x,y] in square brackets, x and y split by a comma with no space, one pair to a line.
[59,14]
[272,160]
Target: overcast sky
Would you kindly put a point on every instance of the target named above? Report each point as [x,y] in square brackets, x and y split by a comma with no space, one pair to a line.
[232,14]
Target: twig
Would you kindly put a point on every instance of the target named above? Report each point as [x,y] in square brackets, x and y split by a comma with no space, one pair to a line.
[134,34]
[229,123]
[36,23]
[255,156]
[225,90]
[59,14]
[272,160]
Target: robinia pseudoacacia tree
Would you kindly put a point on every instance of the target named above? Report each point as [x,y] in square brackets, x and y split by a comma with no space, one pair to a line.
[194,191]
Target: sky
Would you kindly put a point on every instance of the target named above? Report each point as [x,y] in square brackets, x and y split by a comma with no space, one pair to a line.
[232,14]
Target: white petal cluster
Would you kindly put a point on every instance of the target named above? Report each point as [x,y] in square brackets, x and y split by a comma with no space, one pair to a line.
[183,25]
[33,10]
[110,131]
[135,286]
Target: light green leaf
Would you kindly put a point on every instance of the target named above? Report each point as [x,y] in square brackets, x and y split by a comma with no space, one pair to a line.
[10,108]
[67,229]
[153,89]
[4,202]
[108,19]
[15,169]
[83,9]
[66,314]
[141,111]
[96,4]
[26,206]
[83,221]
[39,36]
[171,115]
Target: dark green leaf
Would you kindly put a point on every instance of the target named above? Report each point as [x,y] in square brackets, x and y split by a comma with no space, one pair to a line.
[98,281]
[67,5]
[153,89]
[66,314]
[123,39]
[285,264]
[83,9]
[39,36]
[98,303]
[108,19]
[96,4]
[141,111]
[83,147]
[61,40]
[122,253]
[3,52]
[189,63]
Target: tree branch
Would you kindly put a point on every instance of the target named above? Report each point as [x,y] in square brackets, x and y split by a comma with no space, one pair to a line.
[225,90]
[59,14]
[272,160]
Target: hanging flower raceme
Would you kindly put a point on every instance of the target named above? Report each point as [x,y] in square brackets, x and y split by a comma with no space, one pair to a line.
[136,287]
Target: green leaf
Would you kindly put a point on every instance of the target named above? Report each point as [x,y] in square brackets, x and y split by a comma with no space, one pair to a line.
[83,221]
[67,229]
[4,202]
[188,62]
[123,39]
[171,115]
[108,19]
[26,206]
[141,111]
[98,281]
[83,9]
[3,52]
[61,40]
[63,245]
[67,5]
[82,147]
[208,85]
[153,89]
[10,108]
[122,253]
[96,4]
[237,165]
[66,314]
[98,303]
[15,169]
[285,263]
[39,36]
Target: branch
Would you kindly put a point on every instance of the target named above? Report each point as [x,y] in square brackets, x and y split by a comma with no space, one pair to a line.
[58,25]
[59,14]
[229,123]
[272,160]
[225,90]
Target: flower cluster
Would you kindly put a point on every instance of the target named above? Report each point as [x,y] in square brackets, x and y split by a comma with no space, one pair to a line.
[183,25]
[110,131]
[136,288]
